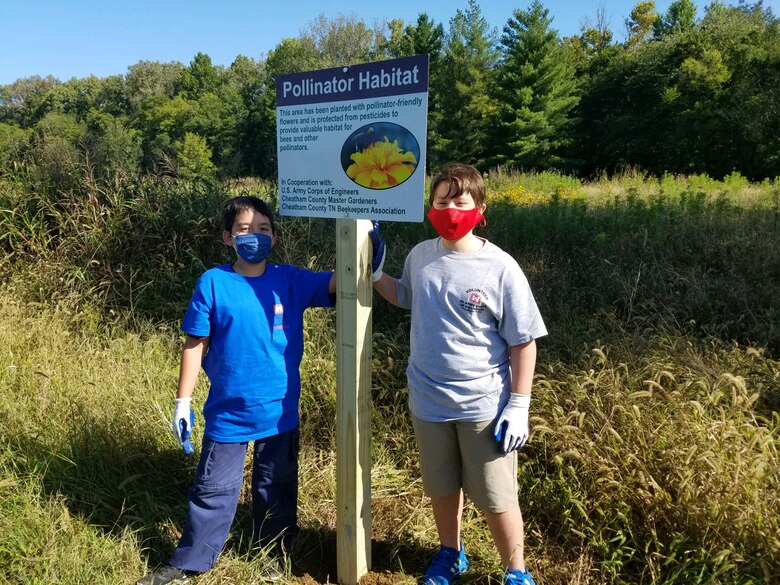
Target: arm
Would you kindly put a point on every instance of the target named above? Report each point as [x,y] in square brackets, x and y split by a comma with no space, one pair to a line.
[332,284]
[522,362]
[511,428]
[191,360]
[386,286]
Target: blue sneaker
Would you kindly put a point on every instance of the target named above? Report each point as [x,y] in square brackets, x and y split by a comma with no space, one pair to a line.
[518,578]
[446,565]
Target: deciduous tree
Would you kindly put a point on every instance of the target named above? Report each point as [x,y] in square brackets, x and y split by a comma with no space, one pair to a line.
[148,79]
[640,23]
[199,78]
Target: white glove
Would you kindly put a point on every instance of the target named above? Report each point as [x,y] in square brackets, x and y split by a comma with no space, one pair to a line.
[512,425]
[182,412]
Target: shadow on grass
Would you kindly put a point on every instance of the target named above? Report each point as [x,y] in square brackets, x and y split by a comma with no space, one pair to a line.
[116,481]
[315,557]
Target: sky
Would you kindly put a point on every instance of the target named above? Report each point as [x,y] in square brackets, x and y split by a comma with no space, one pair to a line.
[78,38]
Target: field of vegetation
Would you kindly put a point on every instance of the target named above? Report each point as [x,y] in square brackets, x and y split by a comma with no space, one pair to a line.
[656,411]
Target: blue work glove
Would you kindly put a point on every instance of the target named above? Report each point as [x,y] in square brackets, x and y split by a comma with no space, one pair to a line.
[378,252]
[183,421]
[511,428]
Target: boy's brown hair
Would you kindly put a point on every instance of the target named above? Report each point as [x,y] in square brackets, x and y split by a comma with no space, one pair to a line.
[460,177]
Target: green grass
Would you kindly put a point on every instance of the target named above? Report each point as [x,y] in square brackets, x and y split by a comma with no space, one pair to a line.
[654,452]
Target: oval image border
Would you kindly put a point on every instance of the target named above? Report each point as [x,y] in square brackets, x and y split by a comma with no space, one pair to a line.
[366,136]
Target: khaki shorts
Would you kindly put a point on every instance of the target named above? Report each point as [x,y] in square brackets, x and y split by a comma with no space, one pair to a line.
[463,454]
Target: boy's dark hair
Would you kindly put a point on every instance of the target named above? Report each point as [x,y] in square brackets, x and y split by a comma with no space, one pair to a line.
[238,204]
[460,177]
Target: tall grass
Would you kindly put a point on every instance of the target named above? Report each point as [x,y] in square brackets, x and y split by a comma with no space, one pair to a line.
[667,471]
[654,452]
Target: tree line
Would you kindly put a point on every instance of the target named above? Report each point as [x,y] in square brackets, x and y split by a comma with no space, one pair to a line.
[681,94]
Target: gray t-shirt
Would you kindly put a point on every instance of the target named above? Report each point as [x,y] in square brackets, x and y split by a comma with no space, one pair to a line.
[467,310]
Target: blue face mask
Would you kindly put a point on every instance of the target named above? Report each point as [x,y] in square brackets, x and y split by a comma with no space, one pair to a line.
[254,248]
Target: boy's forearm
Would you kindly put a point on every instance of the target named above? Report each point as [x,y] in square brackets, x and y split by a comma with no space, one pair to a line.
[332,284]
[386,286]
[191,360]
[522,361]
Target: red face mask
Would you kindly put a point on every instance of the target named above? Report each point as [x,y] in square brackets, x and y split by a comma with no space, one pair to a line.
[452,223]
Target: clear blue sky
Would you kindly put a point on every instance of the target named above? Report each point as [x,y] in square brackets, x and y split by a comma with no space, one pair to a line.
[78,38]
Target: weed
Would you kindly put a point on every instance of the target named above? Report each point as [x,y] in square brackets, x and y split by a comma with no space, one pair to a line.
[654,450]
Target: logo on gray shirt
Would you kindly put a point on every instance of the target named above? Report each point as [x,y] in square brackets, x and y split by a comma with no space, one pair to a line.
[474,300]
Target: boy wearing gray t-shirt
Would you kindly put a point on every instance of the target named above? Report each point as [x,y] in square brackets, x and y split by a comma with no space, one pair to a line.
[471,366]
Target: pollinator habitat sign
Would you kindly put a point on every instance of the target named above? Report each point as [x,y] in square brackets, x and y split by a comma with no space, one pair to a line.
[351,140]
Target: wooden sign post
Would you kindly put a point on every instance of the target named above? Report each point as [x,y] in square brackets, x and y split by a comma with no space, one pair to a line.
[353,399]
[350,145]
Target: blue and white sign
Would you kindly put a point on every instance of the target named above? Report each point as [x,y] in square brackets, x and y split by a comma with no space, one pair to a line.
[351,140]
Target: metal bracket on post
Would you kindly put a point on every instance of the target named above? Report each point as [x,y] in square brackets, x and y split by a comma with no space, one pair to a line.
[353,399]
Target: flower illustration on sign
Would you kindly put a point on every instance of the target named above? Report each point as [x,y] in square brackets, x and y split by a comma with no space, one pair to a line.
[380,156]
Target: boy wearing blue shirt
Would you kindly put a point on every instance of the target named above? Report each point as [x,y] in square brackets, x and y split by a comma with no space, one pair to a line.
[244,326]
[471,365]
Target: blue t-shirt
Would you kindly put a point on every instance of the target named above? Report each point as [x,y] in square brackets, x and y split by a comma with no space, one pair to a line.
[255,326]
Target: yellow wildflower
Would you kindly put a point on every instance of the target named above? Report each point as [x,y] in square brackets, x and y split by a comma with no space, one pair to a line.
[381,165]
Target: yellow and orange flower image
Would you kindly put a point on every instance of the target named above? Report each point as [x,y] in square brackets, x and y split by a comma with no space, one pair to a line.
[381,165]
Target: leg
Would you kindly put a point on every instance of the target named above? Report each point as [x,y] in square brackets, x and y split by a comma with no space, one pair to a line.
[507,530]
[451,559]
[447,512]
[440,466]
[490,479]
[212,505]
[275,490]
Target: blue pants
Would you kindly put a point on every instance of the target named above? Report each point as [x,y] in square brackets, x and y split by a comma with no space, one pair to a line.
[214,497]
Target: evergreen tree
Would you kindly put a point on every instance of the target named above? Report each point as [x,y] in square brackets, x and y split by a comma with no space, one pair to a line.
[680,96]
[425,37]
[535,93]
[463,105]
[422,38]
[680,17]
[193,158]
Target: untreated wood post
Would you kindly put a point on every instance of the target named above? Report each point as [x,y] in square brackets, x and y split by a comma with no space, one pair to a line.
[353,399]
